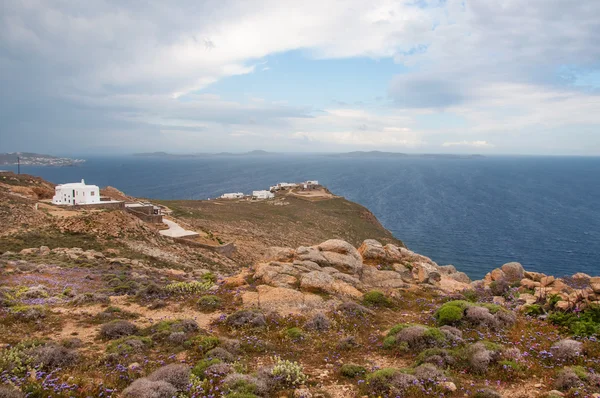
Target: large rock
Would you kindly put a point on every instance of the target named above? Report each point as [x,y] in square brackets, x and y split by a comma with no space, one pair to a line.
[447,269]
[283,254]
[595,284]
[338,246]
[311,254]
[513,271]
[347,263]
[283,300]
[459,277]
[316,281]
[277,274]
[372,277]
[372,251]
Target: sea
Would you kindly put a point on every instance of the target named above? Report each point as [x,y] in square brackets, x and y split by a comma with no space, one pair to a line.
[474,213]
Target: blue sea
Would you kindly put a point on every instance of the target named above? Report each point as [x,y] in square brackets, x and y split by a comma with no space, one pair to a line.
[476,213]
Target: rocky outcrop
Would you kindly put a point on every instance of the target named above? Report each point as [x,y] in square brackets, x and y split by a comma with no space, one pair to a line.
[340,271]
[567,293]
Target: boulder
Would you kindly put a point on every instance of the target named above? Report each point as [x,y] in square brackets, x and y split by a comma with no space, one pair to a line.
[338,246]
[372,251]
[513,271]
[534,276]
[286,301]
[459,277]
[595,284]
[497,275]
[527,298]
[581,275]
[547,281]
[311,254]
[372,277]
[347,263]
[283,254]
[447,269]
[31,251]
[44,251]
[392,252]
[316,281]
[563,305]
[277,274]
[529,284]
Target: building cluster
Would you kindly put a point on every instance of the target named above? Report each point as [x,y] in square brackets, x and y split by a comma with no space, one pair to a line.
[270,193]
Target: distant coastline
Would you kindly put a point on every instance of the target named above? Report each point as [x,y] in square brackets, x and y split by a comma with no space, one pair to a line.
[36,159]
[355,154]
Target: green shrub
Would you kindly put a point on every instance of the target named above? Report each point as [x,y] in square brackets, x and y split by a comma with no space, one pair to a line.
[210,302]
[202,365]
[202,343]
[294,333]
[533,310]
[449,314]
[511,364]
[351,370]
[376,298]
[186,288]
[288,372]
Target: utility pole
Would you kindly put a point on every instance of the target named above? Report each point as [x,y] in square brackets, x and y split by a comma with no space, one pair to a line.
[18,165]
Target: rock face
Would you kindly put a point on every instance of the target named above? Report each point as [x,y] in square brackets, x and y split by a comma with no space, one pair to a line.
[338,269]
[577,291]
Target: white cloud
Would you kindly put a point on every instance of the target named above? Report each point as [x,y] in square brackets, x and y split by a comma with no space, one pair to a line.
[502,71]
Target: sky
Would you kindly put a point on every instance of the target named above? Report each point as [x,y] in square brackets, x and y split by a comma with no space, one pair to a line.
[415,76]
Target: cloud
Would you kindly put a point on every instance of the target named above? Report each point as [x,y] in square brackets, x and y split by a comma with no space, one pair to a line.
[474,144]
[509,72]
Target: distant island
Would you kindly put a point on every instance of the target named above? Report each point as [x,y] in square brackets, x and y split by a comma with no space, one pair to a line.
[202,154]
[381,154]
[355,154]
[36,159]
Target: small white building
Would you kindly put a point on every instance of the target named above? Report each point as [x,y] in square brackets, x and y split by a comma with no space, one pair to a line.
[262,195]
[77,193]
[233,195]
[310,184]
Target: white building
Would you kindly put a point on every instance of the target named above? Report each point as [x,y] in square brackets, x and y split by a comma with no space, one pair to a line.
[262,195]
[76,193]
[234,195]
[283,185]
[310,184]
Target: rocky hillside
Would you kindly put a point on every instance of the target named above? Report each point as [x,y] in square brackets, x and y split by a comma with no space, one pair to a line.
[287,221]
[98,304]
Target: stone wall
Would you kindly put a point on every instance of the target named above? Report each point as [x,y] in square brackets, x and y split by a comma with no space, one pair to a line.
[226,250]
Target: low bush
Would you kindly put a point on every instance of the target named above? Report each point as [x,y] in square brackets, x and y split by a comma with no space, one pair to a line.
[352,371]
[376,298]
[29,313]
[428,373]
[90,298]
[533,310]
[239,384]
[246,318]
[288,373]
[128,345]
[585,323]
[566,379]
[210,302]
[220,353]
[188,288]
[294,333]
[117,329]
[566,349]
[202,365]
[178,375]
[390,382]
[52,356]
[414,337]
[145,388]
[202,343]
[460,312]
[318,322]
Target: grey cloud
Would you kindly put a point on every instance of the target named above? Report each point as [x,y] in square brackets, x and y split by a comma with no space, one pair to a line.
[426,92]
